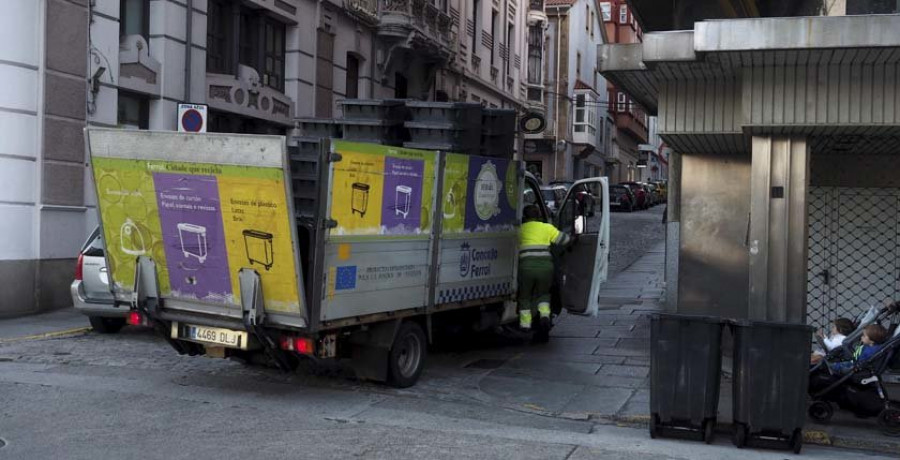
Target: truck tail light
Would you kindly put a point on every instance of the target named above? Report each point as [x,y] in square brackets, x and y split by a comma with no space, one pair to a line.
[79,268]
[302,345]
[136,319]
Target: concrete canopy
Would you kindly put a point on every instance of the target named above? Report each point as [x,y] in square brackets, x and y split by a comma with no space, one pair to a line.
[835,79]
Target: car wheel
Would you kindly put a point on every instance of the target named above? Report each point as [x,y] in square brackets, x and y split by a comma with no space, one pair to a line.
[407,356]
[106,325]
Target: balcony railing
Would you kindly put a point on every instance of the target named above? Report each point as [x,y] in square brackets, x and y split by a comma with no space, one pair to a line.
[627,122]
[364,9]
[426,16]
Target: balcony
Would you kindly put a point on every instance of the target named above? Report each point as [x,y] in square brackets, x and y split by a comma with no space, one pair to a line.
[632,125]
[424,24]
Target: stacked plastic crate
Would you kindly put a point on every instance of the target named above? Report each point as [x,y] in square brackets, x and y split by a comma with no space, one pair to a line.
[374,121]
[498,132]
[304,161]
[446,126]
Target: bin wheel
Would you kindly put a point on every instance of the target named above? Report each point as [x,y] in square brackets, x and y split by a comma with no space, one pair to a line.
[740,435]
[820,411]
[797,441]
[709,431]
[654,426]
[889,421]
[407,356]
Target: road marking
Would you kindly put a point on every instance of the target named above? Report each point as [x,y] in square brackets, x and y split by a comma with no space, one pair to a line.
[49,335]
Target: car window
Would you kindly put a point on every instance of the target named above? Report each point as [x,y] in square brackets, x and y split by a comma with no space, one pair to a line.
[531,193]
[94,246]
[548,194]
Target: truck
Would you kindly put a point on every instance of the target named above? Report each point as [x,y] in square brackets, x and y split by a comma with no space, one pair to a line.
[243,246]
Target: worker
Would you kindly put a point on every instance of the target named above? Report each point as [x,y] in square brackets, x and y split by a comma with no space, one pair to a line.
[536,265]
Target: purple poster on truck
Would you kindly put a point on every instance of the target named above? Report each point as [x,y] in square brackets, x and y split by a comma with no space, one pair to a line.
[402,199]
[190,216]
[491,195]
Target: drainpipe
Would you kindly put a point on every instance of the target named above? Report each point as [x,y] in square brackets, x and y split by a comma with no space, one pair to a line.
[372,66]
[558,95]
[189,35]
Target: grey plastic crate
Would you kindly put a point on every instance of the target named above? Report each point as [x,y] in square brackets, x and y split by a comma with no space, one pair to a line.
[498,146]
[391,110]
[498,121]
[449,148]
[318,127]
[456,113]
[373,131]
[443,134]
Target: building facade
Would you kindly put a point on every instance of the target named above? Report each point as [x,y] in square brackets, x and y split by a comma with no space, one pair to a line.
[578,132]
[631,120]
[257,64]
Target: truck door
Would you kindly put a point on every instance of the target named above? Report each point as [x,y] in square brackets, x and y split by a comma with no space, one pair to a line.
[582,267]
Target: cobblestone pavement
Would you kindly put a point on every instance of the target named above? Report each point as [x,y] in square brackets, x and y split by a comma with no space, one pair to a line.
[633,234]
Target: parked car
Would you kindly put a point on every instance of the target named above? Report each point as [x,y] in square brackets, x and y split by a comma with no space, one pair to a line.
[567,184]
[553,195]
[655,197]
[641,195]
[621,198]
[90,290]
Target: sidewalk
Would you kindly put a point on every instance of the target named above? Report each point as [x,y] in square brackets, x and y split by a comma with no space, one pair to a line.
[598,368]
[53,324]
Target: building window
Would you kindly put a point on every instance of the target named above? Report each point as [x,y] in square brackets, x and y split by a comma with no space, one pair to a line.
[510,46]
[587,12]
[578,65]
[133,111]
[535,50]
[476,5]
[592,24]
[623,14]
[585,114]
[134,18]
[217,44]
[606,10]
[261,42]
[622,102]
[352,85]
[273,54]
[494,39]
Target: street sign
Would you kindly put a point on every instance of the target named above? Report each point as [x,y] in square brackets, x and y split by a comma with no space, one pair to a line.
[192,118]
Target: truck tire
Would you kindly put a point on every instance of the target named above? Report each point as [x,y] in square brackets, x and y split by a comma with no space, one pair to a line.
[407,356]
[106,325]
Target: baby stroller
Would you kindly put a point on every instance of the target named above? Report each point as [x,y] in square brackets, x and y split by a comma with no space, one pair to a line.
[862,390]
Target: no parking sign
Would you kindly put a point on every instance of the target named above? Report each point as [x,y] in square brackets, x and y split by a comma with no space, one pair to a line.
[192,118]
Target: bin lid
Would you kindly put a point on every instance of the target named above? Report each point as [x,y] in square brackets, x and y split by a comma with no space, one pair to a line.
[771,324]
[683,317]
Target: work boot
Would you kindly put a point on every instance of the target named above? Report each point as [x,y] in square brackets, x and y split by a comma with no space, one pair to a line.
[525,319]
[544,312]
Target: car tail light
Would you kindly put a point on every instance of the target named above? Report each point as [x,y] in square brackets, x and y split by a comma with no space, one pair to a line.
[79,268]
[302,345]
[136,319]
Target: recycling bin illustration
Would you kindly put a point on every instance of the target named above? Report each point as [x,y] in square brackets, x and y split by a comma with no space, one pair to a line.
[131,239]
[359,202]
[258,245]
[402,199]
[193,241]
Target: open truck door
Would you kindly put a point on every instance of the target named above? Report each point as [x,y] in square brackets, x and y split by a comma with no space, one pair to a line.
[582,267]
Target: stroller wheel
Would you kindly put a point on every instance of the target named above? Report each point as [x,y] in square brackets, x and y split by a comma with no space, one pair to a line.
[654,426]
[820,411]
[797,441]
[709,431]
[889,421]
[740,435]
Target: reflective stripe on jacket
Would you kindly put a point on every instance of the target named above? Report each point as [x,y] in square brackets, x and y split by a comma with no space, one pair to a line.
[536,237]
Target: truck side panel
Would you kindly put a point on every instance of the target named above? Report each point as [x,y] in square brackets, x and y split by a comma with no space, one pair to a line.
[374,276]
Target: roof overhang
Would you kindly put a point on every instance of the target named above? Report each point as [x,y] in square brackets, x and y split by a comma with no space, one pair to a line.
[720,47]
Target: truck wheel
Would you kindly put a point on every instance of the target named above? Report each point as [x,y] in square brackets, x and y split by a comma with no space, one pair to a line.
[106,325]
[407,356]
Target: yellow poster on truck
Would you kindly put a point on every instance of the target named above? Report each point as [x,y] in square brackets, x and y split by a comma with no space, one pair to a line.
[201,223]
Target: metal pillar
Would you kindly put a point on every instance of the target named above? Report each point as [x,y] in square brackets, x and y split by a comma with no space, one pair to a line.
[777,239]
[673,228]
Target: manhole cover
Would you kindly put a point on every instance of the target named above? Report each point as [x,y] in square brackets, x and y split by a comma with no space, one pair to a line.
[485,364]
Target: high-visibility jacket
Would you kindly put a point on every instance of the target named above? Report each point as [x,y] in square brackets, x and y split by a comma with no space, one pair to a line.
[536,237]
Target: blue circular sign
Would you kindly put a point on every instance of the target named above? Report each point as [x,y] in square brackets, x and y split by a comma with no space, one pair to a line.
[192,121]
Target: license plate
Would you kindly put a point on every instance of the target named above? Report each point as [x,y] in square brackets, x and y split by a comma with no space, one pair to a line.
[213,335]
[614,203]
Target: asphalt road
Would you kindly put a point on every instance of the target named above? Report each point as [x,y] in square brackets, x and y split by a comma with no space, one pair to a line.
[130,395]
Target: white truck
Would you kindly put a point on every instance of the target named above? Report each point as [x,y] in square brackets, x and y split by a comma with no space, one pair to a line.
[238,245]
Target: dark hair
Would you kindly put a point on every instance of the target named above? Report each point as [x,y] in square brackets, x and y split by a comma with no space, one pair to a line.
[844,326]
[531,212]
[876,333]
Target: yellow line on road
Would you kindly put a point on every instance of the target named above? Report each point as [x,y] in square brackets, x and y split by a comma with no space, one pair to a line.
[49,335]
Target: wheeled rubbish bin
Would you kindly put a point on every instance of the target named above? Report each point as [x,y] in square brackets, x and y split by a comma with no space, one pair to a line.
[771,376]
[685,367]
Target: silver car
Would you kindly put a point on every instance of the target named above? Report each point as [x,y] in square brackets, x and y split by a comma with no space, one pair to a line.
[90,290]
